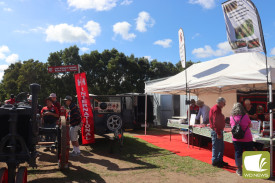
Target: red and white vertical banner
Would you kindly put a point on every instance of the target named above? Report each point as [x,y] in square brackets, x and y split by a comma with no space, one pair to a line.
[85,108]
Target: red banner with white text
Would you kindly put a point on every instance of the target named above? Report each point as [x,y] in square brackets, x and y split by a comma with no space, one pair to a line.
[85,108]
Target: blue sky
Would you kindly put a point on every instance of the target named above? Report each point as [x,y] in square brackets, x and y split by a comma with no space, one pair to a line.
[31,29]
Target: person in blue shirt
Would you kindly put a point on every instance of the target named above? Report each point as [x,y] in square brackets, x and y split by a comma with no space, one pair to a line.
[203,111]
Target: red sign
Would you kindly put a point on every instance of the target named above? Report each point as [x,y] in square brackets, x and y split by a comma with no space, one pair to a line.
[67,68]
[85,108]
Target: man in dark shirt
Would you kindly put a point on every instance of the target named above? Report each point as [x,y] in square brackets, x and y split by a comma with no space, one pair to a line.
[55,102]
[49,116]
[217,124]
[249,109]
[74,119]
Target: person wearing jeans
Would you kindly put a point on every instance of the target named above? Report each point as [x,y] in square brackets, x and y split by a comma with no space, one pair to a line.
[217,148]
[238,115]
[217,124]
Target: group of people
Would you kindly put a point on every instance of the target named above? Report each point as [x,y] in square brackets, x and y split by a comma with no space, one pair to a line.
[50,115]
[239,114]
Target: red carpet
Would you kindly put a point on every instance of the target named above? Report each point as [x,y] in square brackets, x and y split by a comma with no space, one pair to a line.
[178,147]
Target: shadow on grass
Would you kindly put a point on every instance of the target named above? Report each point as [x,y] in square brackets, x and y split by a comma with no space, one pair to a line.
[133,151]
[75,173]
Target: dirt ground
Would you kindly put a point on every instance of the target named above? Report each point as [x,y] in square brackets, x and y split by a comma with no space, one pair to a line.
[94,166]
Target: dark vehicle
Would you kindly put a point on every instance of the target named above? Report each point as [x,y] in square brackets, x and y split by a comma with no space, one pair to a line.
[125,111]
[19,134]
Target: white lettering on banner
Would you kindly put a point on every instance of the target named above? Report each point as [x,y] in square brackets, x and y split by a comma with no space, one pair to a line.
[84,101]
[84,105]
[83,94]
[85,109]
[81,81]
[87,125]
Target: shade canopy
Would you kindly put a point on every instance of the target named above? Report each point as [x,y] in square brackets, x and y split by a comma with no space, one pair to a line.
[242,71]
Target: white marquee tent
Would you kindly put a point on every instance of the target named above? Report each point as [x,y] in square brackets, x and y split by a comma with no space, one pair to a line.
[221,77]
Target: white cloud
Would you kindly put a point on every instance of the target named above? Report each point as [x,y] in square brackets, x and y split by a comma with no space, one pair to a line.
[196,35]
[165,43]
[148,58]
[98,5]
[126,2]
[2,68]
[123,28]
[272,51]
[3,50]
[223,49]
[84,49]
[7,9]
[65,33]
[12,58]
[32,30]
[2,3]
[143,21]
[207,4]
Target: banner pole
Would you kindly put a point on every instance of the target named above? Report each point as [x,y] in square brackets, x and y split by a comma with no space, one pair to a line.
[145,114]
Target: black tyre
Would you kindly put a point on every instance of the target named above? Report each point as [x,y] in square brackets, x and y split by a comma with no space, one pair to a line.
[114,122]
[21,175]
[3,175]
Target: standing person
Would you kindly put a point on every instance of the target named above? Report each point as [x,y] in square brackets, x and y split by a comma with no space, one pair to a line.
[217,124]
[204,112]
[55,102]
[238,115]
[49,116]
[74,119]
[194,109]
[250,111]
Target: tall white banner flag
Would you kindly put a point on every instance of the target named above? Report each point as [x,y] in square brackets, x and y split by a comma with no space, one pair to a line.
[182,47]
[243,26]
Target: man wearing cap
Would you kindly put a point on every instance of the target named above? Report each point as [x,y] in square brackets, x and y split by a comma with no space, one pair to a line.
[203,111]
[49,116]
[55,102]
[74,119]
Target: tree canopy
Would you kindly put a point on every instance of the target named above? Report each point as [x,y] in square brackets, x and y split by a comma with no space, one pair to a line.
[108,73]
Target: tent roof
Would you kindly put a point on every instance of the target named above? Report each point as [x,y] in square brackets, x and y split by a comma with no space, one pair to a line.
[243,71]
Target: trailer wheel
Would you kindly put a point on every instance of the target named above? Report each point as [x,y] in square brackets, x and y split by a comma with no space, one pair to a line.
[63,161]
[114,122]
[21,176]
[3,175]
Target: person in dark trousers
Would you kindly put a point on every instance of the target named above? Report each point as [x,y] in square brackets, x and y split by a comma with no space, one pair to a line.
[49,116]
[74,119]
[217,124]
[238,115]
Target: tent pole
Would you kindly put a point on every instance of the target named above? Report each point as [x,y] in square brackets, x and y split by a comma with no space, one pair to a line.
[145,113]
[271,131]
[269,87]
